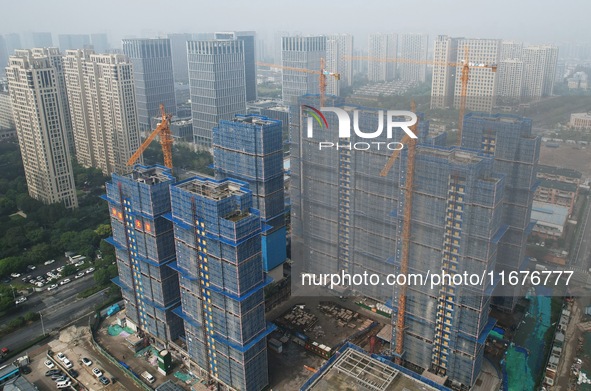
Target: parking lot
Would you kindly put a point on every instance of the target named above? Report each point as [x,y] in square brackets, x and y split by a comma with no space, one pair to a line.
[74,344]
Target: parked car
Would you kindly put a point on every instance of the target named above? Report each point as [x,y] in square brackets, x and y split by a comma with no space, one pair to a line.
[64,384]
[63,282]
[79,263]
[15,275]
[52,287]
[89,270]
[49,262]
[104,380]
[67,363]
[20,300]
[61,356]
[97,372]
[86,361]
[49,364]
[74,373]
[81,274]
[52,372]
[31,267]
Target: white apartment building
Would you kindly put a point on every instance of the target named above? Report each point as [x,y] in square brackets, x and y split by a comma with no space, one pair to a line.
[39,116]
[382,51]
[102,104]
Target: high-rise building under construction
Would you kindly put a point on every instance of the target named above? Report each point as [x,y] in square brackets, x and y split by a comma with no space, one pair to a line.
[470,208]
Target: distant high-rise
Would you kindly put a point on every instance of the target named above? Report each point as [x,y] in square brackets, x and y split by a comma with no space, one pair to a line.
[144,246]
[73,41]
[413,47]
[339,50]
[102,105]
[37,40]
[153,77]
[54,55]
[39,116]
[217,83]
[250,148]
[100,42]
[178,49]
[444,77]
[250,69]
[13,42]
[301,52]
[3,55]
[481,88]
[218,257]
[277,45]
[539,69]
[381,49]
[510,81]
[511,50]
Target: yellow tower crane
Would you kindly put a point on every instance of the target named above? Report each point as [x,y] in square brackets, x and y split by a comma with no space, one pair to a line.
[322,75]
[162,130]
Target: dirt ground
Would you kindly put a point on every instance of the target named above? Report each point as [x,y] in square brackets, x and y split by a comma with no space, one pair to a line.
[569,156]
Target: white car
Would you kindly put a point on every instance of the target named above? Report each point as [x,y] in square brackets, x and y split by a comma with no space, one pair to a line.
[67,363]
[49,262]
[89,270]
[49,364]
[81,274]
[79,263]
[86,361]
[64,384]
[97,372]
[21,299]
[15,275]
[52,287]
[63,282]
[39,284]
[61,356]
[60,269]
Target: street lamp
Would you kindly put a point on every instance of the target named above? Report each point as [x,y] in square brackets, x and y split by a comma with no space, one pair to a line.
[42,326]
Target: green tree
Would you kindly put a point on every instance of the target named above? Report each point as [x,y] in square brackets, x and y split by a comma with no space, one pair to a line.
[103,231]
[69,270]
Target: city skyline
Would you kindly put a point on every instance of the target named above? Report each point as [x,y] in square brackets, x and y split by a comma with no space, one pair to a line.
[494,22]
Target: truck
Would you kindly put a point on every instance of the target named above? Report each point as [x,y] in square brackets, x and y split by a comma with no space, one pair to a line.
[149,378]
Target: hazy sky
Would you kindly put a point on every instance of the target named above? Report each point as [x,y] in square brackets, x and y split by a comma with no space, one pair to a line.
[525,20]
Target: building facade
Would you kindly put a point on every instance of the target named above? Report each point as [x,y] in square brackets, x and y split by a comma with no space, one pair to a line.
[539,70]
[102,104]
[178,49]
[382,52]
[413,47]
[339,52]
[6,117]
[144,245]
[250,148]
[73,41]
[250,70]
[217,85]
[444,77]
[39,116]
[508,139]
[218,245]
[301,52]
[153,78]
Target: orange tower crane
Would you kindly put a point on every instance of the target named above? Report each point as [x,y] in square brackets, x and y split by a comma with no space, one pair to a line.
[162,130]
[322,75]
[408,188]
[464,77]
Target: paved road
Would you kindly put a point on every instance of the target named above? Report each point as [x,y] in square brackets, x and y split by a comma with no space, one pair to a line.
[582,254]
[39,301]
[60,310]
